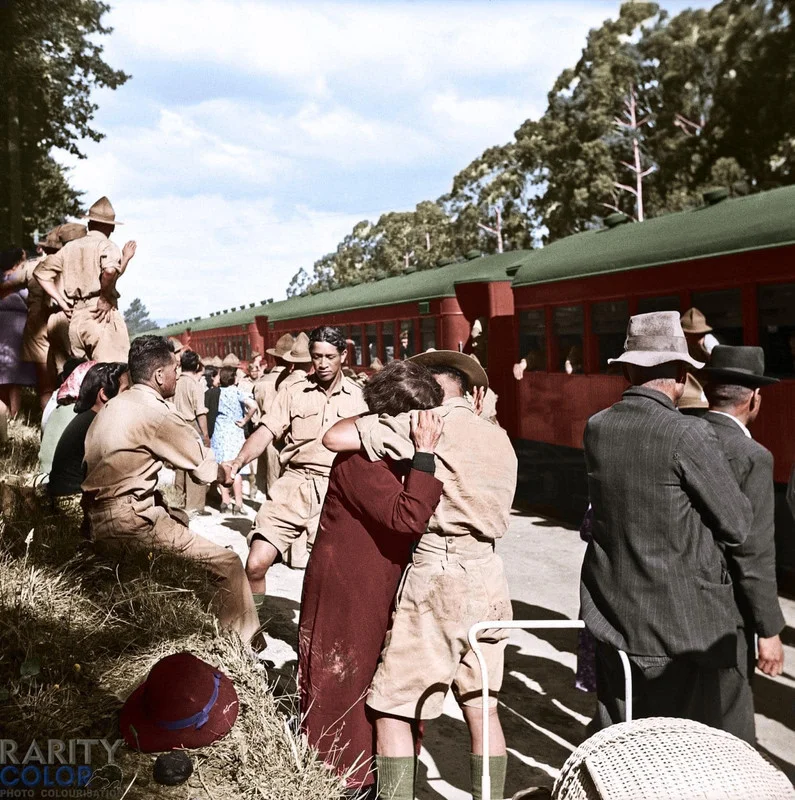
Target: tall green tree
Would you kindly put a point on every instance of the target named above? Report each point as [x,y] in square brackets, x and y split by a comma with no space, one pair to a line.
[50,60]
[136,317]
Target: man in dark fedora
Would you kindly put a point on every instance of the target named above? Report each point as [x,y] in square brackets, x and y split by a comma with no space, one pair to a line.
[733,390]
[81,279]
[653,579]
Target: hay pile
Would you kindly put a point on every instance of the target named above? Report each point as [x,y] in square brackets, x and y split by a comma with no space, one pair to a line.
[78,633]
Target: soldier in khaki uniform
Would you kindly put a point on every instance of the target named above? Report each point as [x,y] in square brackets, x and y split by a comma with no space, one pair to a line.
[189,402]
[301,414]
[35,344]
[126,446]
[88,269]
[455,578]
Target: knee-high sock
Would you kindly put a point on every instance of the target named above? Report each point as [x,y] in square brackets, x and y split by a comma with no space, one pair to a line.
[497,767]
[395,777]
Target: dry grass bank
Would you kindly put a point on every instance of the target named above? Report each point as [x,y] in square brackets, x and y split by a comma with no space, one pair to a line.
[78,633]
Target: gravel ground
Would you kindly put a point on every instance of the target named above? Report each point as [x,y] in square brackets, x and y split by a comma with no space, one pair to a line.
[544,716]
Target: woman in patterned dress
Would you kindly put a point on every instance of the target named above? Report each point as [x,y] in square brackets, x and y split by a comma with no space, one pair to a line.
[235,409]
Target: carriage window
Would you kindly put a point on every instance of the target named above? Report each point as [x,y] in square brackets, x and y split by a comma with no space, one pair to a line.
[666,303]
[567,326]
[609,325]
[532,339]
[723,311]
[777,328]
[372,343]
[356,338]
[388,338]
[406,338]
[428,333]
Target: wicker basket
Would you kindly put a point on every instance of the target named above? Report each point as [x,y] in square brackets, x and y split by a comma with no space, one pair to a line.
[671,759]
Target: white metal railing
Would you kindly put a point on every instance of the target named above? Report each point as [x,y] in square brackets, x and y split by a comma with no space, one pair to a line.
[526,624]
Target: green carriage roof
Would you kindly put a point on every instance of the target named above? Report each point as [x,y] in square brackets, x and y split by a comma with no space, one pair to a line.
[732,226]
[422,285]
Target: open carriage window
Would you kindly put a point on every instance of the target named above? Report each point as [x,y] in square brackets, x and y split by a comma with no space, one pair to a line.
[777,328]
[532,339]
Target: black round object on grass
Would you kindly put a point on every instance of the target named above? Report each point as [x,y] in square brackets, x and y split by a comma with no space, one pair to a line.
[172,769]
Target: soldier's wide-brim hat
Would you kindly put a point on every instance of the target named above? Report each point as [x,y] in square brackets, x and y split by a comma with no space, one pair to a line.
[70,231]
[283,345]
[230,360]
[299,352]
[452,358]
[693,321]
[183,703]
[51,241]
[654,339]
[693,395]
[102,211]
[741,366]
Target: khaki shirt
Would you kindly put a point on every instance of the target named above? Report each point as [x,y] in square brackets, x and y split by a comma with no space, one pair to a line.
[475,462]
[38,301]
[129,440]
[189,398]
[80,263]
[303,412]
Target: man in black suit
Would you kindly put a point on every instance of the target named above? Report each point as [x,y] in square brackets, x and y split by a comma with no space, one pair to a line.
[733,391]
[653,579]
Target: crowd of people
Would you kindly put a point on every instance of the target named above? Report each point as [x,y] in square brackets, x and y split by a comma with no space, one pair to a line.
[393,493]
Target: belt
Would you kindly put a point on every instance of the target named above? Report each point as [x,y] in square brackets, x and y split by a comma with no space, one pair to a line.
[142,503]
[307,472]
[463,547]
[85,302]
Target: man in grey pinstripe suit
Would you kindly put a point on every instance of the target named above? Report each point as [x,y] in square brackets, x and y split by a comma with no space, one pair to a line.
[654,582]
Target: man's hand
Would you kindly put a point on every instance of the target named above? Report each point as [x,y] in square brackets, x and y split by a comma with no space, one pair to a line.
[771,656]
[127,252]
[519,369]
[426,430]
[103,309]
[206,441]
[478,396]
[66,310]
[227,472]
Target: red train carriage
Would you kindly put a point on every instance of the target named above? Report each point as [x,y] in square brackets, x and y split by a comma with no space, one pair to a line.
[432,308]
[732,259]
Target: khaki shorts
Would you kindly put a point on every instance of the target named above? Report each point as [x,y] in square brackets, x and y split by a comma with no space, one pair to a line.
[98,341]
[293,507]
[58,351]
[452,583]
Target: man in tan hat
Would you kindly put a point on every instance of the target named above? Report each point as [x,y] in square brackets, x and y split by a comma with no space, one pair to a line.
[302,412]
[455,578]
[700,341]
[665,505]
[88,269]
[268,466]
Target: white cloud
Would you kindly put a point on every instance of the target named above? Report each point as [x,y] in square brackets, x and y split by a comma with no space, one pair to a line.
[312,44]
[206,252]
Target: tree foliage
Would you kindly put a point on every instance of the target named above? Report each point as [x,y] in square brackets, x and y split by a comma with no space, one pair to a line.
[50,60]
[712,96]
[136,317]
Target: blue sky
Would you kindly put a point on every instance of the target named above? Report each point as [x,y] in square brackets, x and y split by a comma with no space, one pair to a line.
[254,135]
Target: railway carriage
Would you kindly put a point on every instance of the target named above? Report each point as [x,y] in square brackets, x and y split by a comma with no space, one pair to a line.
[564,309]
[734,259]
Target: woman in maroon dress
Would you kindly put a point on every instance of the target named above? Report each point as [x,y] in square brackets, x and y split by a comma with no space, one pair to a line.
[373,514]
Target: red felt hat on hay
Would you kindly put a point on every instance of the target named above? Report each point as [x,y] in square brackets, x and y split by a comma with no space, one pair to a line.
[183,703]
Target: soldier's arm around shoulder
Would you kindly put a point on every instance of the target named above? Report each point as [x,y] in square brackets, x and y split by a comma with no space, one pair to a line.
[710,483]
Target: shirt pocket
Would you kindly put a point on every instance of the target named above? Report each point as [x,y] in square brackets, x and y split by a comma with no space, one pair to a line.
[306,425]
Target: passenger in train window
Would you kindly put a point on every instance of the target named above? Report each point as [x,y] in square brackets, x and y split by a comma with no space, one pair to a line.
[700,340]
[406,346]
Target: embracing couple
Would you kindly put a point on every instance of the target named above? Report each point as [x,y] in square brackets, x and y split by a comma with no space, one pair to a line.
[402,566]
